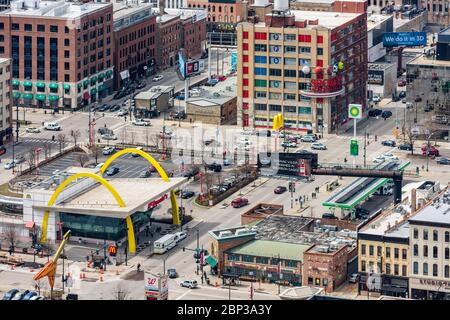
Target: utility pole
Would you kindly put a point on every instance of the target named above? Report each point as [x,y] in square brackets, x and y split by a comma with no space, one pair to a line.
[209,57]
[365,146]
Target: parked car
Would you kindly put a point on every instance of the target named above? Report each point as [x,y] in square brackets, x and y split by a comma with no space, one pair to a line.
[379,159]
[402,94]
[158,78]
[388,143]
[191,284]
[109,136]
[112,171]
[409,105]
[405,146]
[389,156]
[318,146]
[212,82]
[374,113]
[180,115]
[428,108]
[289,144]
[401,82]
[151,168]
[52,126]
[187,194]
[431,151]
[308,138]
[145,174]
[280,190]
[37,297]
[191,173]
[376,99]
[141,122]
[108,150]
[227,162]
[172,273]
[354,278]
[10,294]
[404,100]
[329,216]
[418,99]
[239,202]
[2,150]
[215,167]
[20,295]
[141,85]
[443,161]
[104,130]
[32,130]
[386,114]
[361,213]
[10,165]
[19,159]
[29,295]
[115,108]
[122,112]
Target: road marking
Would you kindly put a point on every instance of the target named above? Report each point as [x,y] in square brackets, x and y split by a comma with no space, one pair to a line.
[180,297]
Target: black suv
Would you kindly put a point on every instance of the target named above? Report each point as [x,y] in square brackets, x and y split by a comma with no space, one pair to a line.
[375,112]
[215,167]
[180,115]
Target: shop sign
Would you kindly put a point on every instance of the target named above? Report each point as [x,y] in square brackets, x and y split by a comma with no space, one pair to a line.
[326,85]
[154,203]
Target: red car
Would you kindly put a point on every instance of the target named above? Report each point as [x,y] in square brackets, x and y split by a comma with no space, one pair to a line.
[401,82]
[239,202]
[221,78]
[432,151]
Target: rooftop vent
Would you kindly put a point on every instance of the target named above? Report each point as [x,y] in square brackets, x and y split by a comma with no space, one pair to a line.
[224,234]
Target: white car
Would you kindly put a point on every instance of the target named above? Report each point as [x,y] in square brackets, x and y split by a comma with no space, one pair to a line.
[376,99]
[33,130]
[10,165]
[108,150]
[318,146]
[109,136]
[141,122]
[158,78]
[379,159]
[389,157]
[122,112]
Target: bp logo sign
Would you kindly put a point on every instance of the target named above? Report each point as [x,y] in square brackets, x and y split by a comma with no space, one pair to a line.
[354,111]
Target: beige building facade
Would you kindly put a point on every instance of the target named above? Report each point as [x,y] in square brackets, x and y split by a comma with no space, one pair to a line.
[5,105]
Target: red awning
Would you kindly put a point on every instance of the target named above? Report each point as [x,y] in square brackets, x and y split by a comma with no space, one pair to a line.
[30,225]
[86,96]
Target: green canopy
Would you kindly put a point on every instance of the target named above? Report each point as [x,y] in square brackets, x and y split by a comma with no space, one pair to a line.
[40,97]
[27,95]
[15,82]
[53,98]
[93,91]
[211,261]
[27,84]
[80,85]
[16,94]
[53,86]
[66,86]
[109,73]
[93,79]
[101,87]
[86,82]
[101,76]
[40,85]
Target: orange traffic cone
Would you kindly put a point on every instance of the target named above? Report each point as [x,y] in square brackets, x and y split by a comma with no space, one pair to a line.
[81,276]
[101,278]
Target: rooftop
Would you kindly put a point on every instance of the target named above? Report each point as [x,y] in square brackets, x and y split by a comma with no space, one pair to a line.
[154,92]
[327,19]
[375,20]
[221,93]
[262,210]
[55,9]
[423,60]
[186,13]
[437,212]
[266,248]
[137,10]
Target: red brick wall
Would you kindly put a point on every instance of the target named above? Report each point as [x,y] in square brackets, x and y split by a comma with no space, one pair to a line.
[169,43]
[224,245]
[350,7]
[193,36]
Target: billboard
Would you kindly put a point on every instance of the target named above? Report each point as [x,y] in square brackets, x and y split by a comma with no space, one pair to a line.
[375,77]
[234,60]
[395,39]
[298,164]
[156,286]
[194,66]
[182,64]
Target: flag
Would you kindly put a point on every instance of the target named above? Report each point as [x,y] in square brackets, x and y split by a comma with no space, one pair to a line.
[279,265]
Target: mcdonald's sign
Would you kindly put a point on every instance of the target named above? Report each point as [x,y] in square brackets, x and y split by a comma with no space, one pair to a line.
[112,250]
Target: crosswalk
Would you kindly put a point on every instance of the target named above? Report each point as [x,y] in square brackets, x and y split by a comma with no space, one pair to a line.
[38,140]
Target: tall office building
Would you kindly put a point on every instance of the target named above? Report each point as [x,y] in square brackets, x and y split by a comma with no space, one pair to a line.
[61,52]
[5,104]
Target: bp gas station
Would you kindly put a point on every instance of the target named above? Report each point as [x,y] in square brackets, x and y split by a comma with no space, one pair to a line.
[94,207]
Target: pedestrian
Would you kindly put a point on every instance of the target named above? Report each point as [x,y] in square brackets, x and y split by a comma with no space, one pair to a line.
[138,267]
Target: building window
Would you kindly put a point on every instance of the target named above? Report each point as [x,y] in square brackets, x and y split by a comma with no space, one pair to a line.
[246,258]
[435,270]
[404,254]
[28,27]
[447,253]
[425,269]
[275,72]
[289,49]
[363,249]
[245,35]
[447,272]
[290,96]
[275,36]
[261,71]
[416,233]
[396,253]
[304,49]
[260,36]
[66,42]
[371,251]
[260,48]
[304,38]
[388,252]
[435,235]
[290,37]
[233,257]
[388,268]
[416,267]
[260,106]
[53,28]
[425,251]
[260,94]
[404,271]
[415,250]
[379,251]
[274,84]
[320,51]
[274,96]
[290,85]
[319,39]
[310,280]
[447,236]
[262,260]
[15,27]
[290,61]
[290,263]
[396,269]
[363,265]
[435,252]
[290,73]
[425,234]
[260,83]
[317,282]
[259,59]
[274,107]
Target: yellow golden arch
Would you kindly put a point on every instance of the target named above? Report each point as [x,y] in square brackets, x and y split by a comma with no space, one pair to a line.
[117,197]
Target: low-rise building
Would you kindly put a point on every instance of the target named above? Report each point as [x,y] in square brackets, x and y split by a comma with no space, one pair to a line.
[150,103]
[377,25]
[382,79]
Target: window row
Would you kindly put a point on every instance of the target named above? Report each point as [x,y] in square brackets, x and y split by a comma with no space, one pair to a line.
[263,260]
[435,235]
[435,269]
[388,252]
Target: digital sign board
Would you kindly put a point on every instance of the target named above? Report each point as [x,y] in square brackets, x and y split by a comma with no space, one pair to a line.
[395,39]
[296,164]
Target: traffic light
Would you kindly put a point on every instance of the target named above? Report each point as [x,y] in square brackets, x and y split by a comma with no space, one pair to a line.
[354,149]
[291,186]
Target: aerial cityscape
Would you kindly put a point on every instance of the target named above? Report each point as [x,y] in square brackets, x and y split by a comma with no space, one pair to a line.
[230,150]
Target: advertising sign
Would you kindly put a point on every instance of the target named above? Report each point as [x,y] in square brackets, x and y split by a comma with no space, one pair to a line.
[154,203]
[151,282]
[354,111]
[297,164]
[156,286]
[182,64]
[375,77]
[234,60]
[395,39]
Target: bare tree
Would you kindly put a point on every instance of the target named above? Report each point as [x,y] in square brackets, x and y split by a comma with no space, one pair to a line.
[82,159]
[123,136]
[120,292]
[11,235]
[96,151]
[62,140]
[410,136]
[75,135]
[155,140]
[31,158]
[47,149]
[147,136]
[132,137]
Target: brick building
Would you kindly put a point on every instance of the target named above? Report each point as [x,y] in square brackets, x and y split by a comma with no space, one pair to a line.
[134,42]
[289,64]
[5,101]
[61,52]
[168,37]
[222,14]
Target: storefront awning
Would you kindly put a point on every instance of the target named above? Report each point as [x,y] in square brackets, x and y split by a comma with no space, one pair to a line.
[101,87]
[93,91]
[40,85]
[27,84]
[86,96]
[94,79]
[101,76]
[66,86]
[40,97]
[211,261]
[80,85]
[109,73]
[15,82]
[53,86]
[52,98]
[29,225]
[27,95]
[86,82]
[16,94]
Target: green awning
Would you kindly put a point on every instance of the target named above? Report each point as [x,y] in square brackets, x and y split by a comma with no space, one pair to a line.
[94,79]
[93,91]
[80,85]
[101,76]
[211,261]
[109,73]
[101,87]
[27,84]
[40,97]
[86,82]
[40,85]
[15,82]
[16,94]
[53,86]
[27,95]
[66,86]
[52,98]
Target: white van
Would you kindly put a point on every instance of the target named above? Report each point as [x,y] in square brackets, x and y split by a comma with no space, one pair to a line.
[52,126]
[164,244]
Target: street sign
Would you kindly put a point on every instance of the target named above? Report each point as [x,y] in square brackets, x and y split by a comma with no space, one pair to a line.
[354,149]
[354,111]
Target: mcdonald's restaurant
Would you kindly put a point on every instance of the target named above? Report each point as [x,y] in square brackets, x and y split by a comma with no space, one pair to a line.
[92,207]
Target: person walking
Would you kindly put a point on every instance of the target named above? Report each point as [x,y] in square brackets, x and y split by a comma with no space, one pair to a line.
[138,267]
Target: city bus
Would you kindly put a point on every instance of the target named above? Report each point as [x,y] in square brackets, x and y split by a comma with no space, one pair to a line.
[165,243]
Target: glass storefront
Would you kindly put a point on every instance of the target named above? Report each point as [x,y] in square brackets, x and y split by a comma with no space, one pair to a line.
[101,227]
